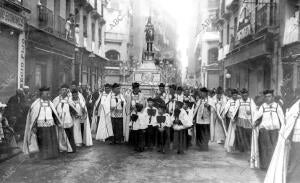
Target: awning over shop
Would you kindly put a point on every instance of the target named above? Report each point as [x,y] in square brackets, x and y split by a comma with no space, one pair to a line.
[256,48]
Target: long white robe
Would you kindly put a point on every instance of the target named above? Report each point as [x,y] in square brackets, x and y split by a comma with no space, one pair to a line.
[87,136]
[218,133]
[101,120]
[254,154]
[64,111]
[278,167]
[30,144]
[230,107]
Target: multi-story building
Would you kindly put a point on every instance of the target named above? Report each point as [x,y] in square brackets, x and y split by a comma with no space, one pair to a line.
[89,31]
[290,34]
[63,43]
[249,47]
[206,46]
[117,39]
[49,49]
[12,48]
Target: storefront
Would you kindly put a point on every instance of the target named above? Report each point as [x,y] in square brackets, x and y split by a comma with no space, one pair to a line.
[12,52]
[250,66]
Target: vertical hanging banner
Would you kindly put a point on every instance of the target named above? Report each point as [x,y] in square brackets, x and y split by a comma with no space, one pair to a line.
[244,23]
[21,60]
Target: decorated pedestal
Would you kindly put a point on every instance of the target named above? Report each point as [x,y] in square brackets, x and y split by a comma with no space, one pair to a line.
[149,77]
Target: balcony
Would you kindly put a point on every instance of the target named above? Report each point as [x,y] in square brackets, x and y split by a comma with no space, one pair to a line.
[265,17]
[45,16]
[16,5]
[55,24]
[89,5]
[113,37]
[60,24]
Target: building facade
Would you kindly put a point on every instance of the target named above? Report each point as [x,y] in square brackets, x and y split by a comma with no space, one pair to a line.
[208,70]
[63,43]
[12,48]
[290,51]
[49,49]
[89,66]
[249,44]
[117,39]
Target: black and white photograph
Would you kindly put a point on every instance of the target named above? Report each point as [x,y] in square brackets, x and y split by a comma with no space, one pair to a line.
[150,91]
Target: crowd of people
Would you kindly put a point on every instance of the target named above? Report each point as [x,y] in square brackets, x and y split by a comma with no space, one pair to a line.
[172,120]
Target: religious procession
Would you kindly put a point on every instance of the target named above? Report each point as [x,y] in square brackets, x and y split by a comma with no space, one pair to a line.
[173,120]
[150,91]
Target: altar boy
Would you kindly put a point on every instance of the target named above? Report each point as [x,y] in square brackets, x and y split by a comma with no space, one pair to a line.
[164,123]
[151,113]
[180,122]
[138,125]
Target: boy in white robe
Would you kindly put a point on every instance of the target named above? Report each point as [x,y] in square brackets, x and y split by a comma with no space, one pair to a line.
[101,121]
[138,125]
[171,99]
[188,130]
[272,120]
[151,132]
[164,123]
[179,96]
[133,98]
[82,130]
[180,122]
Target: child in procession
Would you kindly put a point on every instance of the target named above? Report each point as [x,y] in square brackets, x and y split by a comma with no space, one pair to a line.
[164,123]
[138,125]
[188,130]
[151,113]
[180,122]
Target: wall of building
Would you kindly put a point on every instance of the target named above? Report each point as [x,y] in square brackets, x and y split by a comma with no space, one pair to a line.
[116,31]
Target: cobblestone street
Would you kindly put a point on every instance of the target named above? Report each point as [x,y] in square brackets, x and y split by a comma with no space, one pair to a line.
[106,163]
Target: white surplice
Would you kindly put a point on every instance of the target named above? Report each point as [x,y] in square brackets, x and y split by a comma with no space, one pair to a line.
[30,144]
[101,121]
[277,170]
[230,107]
[86,137]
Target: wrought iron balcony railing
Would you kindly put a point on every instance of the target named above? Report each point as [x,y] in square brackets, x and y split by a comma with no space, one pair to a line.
[265,17]
[60,28]
[55,24]
[45,18]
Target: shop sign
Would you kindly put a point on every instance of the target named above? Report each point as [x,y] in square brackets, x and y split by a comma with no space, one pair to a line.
[11,19]
[21,60]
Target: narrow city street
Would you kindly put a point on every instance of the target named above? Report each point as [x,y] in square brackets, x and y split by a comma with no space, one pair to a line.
[107,163]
